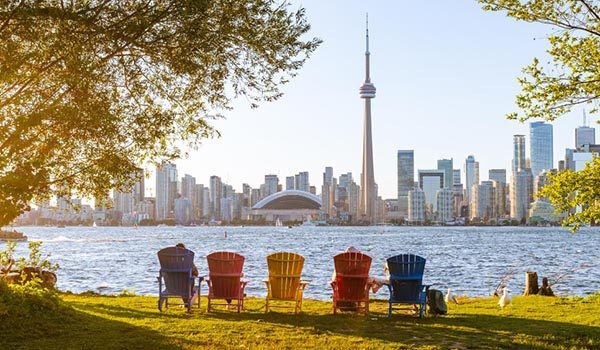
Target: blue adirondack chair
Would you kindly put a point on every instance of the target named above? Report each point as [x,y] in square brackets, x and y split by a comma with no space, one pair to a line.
[406,281]
[175,279]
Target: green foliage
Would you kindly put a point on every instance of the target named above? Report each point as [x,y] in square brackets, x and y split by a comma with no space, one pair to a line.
[571,78]
[6,256]
[27,300]
[35,259]
[91,89]
[580,190]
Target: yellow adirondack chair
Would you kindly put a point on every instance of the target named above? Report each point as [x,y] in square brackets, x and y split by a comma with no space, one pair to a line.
[284,281]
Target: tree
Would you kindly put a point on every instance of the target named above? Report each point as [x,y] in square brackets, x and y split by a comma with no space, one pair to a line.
[571,78]
[91,89]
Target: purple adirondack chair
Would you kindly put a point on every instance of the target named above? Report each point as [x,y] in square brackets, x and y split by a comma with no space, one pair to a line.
[175,279]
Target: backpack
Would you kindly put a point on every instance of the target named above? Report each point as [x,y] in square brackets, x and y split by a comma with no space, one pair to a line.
[435,302]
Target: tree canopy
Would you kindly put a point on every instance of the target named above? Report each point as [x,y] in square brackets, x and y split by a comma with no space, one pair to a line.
[91,89]
[571,78]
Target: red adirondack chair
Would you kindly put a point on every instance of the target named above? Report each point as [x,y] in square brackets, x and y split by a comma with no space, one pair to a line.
[351,284]
[225,279]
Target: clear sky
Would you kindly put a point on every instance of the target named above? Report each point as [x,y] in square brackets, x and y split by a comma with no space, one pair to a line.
[445,73]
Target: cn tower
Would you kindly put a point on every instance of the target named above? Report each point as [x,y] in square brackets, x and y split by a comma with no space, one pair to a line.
[367,181]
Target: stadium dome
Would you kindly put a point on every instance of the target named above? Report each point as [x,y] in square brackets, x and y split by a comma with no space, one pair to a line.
[290,199]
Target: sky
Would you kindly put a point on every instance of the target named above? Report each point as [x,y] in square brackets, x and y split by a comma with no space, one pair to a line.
[446,75]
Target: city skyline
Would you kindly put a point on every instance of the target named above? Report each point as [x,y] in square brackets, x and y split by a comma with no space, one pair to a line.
[467,116]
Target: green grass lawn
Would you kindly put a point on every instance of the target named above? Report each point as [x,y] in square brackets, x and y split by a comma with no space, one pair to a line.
[105,322]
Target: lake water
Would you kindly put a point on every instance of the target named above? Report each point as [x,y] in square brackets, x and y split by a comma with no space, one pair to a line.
[470,260]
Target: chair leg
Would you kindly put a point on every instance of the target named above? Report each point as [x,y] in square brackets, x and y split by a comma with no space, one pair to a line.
[267,305]
[421,310]
[160,302]
[390,310]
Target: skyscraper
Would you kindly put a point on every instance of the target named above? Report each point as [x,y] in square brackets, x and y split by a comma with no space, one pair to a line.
[368,194]
[519,161]
[584,135]
[406,178]
[540,147]
[289,183]
[521,185]
[497,175]
[327,175]
[447,166]
[166,188]
[301,181]
[471,176]
[430,181]
[271,184]
[216,193]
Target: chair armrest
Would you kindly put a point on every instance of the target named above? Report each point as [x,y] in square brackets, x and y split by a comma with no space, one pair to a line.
[303,285]
[266,280]
[305,282]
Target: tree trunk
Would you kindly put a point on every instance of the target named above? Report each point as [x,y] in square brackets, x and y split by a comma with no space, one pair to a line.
[546,290]
[531,283]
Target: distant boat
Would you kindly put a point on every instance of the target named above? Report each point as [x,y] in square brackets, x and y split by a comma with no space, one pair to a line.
[60,226]
[278,223]
[12,236]
[161,225]
[309,222]
[94,224]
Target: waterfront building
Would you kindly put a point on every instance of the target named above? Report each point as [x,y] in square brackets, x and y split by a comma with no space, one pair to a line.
[500,202]
[183,211]
[430,181]
[448,167]
[292,205]
[368,195]
[406,178]
[584,135]
[289,183]
[353,200]
[328,175]
[198,203]
[301,182]
[188,190]
[471,176]
[541,149]
[520,194]
[271,185]
[519,157]
[123,202]
[569,162]
[580,159]
[206,203]
[542,212]
[216,193]
[166,189]
[497,175]
[456,177]
[445,205]
[482,204]
[345,179]
[416,205]
[312,190]
[139,188]
[247,192]
[255,196]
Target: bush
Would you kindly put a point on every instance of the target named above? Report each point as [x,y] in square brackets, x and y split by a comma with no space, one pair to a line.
[27,300]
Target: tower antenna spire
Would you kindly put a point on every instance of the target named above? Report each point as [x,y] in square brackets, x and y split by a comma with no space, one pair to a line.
[367,32]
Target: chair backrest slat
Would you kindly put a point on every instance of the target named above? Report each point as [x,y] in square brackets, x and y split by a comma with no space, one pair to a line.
[225,272]
[406,276]
[352,274]
[285,270]
[176,269]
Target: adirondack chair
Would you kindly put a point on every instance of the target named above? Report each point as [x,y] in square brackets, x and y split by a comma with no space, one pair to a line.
[406,281]
[175,278]
[224,279]
[351,284]
[285,270]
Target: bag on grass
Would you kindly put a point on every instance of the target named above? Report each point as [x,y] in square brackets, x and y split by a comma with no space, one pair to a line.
[435,302]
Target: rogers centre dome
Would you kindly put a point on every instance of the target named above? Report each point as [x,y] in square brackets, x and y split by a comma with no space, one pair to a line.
[289,200]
